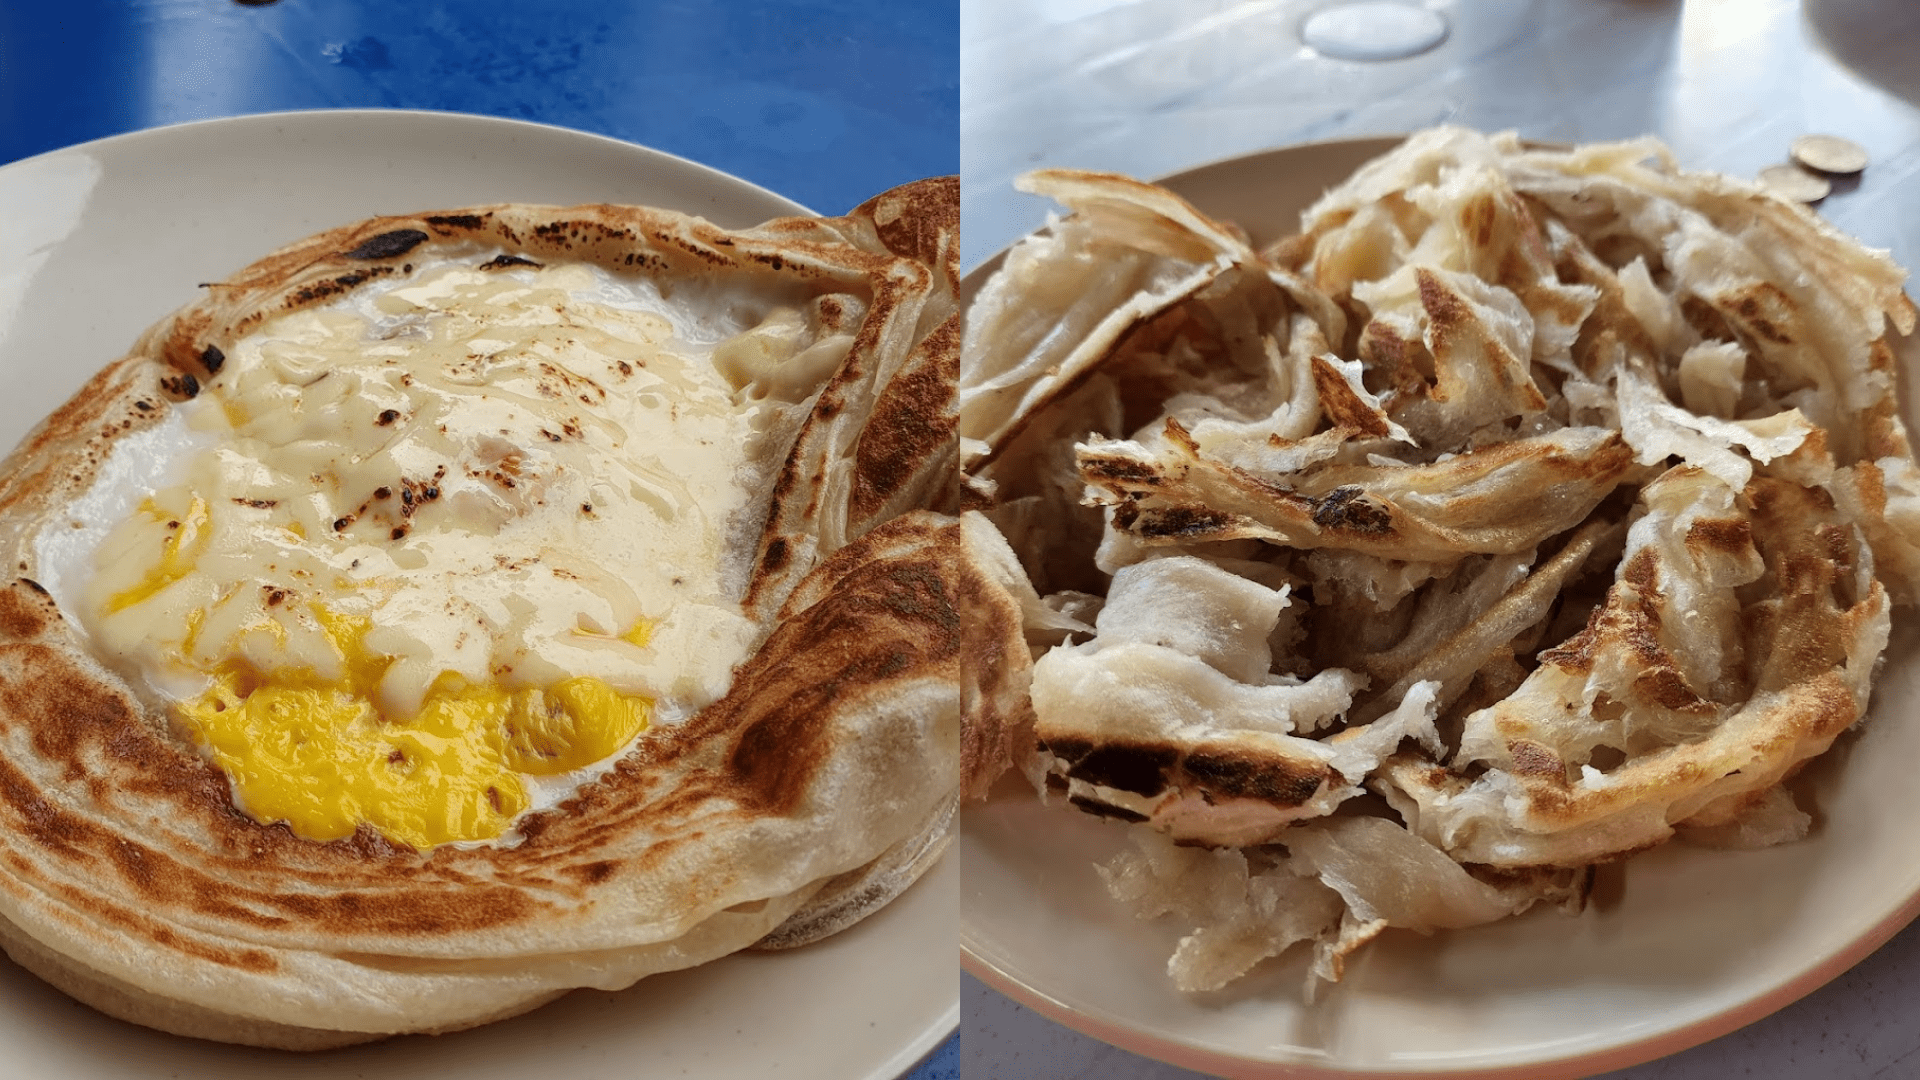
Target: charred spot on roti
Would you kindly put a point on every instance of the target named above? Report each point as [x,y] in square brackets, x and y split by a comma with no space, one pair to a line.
[388,245]
[451,222]
[502,262]
[1106,810]
[1273,779]
[1139,768]
[1348,509]
[775,558]
[1113,470]
[317,291]
[1180,522]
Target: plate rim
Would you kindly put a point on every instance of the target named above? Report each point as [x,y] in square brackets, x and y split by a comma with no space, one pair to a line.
[921,1042]
[1116,1031]
[113,143]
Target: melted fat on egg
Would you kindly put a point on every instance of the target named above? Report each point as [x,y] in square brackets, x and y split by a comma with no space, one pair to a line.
[468,532]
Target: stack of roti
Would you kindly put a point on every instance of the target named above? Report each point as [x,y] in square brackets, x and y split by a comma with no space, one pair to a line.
[1527,508]
[640,506]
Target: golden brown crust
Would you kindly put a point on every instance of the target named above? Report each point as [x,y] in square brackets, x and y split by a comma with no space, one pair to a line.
[897,379]
[124,1001]
[996,667]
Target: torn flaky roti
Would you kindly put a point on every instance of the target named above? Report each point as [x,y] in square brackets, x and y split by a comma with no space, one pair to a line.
[1526,508]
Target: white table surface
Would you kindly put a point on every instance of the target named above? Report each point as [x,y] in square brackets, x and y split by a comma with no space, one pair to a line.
[1151,87]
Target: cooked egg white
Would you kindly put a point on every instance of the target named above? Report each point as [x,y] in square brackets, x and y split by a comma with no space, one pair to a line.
[413,555]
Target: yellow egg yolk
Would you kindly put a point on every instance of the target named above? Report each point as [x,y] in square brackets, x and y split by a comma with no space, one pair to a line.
[318,755]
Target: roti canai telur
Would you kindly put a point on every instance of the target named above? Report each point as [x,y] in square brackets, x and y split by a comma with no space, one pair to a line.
[451,610]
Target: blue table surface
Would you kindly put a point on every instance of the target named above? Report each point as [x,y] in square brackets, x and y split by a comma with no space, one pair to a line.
[827,102]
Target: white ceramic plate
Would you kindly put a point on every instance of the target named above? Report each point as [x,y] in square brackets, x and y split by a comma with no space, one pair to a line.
[1680,944]
[99,241]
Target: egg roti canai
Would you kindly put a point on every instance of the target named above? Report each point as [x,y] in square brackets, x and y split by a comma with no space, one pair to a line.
[449,611]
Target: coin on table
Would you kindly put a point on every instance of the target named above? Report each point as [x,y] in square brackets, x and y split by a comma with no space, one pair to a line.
[1830,154]
[1794,182]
